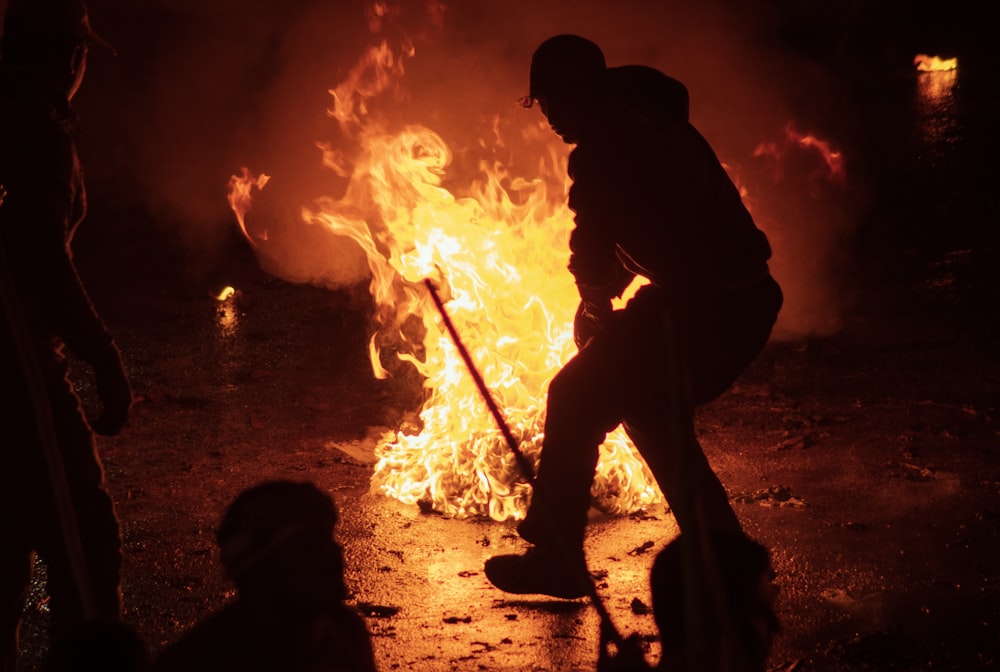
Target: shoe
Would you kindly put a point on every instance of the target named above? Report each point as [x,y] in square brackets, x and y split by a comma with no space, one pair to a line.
[541,572]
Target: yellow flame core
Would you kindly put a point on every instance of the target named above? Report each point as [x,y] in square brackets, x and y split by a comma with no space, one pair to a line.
[512,300]
[499,253]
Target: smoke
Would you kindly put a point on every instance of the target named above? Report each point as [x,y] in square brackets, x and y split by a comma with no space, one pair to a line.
[199,90]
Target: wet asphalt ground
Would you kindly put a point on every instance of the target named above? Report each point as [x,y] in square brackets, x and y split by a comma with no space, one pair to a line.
[865,461]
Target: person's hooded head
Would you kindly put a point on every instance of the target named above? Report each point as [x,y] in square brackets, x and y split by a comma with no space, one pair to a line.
[566,78]
[276,544]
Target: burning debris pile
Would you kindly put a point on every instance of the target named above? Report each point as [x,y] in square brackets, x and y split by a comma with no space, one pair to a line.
[497,248]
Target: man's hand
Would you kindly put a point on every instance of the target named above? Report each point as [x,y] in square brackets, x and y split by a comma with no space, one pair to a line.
[589,321]
[116,395]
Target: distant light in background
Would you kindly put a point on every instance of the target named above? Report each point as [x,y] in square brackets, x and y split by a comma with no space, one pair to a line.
[937,102]
[927,63]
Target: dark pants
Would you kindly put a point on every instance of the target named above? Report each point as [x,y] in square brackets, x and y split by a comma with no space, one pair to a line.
[30,522]
[648,369]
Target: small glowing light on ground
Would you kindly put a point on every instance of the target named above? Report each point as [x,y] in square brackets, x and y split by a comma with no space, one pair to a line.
[225,294]
[227,314]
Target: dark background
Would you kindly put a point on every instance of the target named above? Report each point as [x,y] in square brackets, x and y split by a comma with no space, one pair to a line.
[199,90]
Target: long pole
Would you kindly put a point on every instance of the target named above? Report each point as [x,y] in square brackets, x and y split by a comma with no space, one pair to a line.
[526,469]
[607,625]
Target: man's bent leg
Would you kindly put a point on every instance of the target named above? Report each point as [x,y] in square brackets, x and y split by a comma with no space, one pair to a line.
[579,414]
[574,431]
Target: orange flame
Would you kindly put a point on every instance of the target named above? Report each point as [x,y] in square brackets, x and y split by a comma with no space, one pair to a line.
[503,264]
[799,145]
[833,158]
[240,195]
[499,251]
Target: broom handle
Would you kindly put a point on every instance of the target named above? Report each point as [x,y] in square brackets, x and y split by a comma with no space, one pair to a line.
[522,461]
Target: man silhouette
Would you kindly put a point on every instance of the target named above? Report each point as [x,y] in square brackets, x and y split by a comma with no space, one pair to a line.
[651,199]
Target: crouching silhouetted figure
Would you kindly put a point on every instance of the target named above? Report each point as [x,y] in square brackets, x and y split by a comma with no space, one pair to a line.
[276,544]
[713,603]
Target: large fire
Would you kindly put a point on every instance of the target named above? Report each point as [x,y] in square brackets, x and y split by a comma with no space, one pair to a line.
[498,250]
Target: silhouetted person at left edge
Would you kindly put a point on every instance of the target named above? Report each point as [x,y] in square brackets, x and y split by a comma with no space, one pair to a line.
[53,497]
